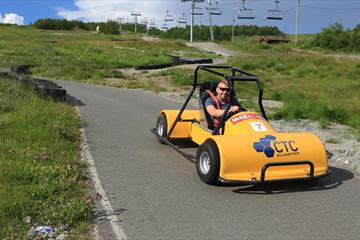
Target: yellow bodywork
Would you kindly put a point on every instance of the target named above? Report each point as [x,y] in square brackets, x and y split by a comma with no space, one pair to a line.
[249,143]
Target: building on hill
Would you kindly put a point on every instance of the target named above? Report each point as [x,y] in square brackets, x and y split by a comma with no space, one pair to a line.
[273,40]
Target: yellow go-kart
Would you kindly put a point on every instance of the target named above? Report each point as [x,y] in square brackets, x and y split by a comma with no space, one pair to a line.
[243,147]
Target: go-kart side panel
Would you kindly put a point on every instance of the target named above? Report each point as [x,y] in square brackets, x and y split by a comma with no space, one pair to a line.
[182,129]
[199,134]
[243,157]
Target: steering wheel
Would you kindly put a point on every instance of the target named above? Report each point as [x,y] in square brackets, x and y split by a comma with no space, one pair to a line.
[230,114]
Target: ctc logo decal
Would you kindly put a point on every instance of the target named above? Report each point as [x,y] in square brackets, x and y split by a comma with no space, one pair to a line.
[282,148]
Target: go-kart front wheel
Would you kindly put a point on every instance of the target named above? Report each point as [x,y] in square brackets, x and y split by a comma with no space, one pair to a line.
[161,127]
[208,162]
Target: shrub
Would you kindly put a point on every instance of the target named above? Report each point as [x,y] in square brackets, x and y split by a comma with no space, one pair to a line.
[109,27]
[299,106]
[221,32]
[335,38]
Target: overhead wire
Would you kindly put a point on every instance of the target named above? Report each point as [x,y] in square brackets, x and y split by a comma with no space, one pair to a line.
[265,19]
[327,8]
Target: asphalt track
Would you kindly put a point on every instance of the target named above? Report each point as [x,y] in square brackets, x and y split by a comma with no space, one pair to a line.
[158,195]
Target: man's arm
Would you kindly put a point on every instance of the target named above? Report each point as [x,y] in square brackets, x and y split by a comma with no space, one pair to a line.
[214,112]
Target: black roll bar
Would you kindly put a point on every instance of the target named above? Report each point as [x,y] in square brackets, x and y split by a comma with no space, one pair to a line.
[210,68]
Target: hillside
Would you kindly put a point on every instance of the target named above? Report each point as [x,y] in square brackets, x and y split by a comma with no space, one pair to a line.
[313,86]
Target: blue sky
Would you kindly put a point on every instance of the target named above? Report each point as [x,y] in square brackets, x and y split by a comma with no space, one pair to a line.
[314,14]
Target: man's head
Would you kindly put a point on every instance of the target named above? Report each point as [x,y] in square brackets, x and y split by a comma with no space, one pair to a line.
[223,90]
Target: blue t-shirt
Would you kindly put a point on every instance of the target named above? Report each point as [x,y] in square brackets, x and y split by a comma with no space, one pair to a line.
[209,101]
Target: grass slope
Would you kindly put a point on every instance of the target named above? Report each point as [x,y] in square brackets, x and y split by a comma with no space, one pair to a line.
[81,55]
[311,86]
[40,172]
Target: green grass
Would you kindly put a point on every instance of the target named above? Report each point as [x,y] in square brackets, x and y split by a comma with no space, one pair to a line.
[82,55]
[311,86]
[332,140]
[40,172]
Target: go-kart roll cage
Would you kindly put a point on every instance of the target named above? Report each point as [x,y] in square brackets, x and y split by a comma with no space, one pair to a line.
[242,76]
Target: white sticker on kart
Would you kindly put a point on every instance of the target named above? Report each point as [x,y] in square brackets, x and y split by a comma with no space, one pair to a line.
[258,127]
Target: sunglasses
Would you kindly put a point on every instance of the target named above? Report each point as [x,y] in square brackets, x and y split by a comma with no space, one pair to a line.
[224,89]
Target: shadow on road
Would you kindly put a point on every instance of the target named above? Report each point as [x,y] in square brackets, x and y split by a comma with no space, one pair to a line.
[335,179]
[102,216]
[74,101]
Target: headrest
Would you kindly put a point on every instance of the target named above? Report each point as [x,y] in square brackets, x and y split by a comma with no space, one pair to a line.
[211,85]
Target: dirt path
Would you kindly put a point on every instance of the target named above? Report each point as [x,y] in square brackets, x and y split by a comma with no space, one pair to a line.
[218,49]
[346,56]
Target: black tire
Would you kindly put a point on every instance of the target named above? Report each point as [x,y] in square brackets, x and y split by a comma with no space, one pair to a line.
[208,162]
[161,127]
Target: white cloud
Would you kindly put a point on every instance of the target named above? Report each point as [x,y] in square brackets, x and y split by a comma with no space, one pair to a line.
[112,9]
[12,18]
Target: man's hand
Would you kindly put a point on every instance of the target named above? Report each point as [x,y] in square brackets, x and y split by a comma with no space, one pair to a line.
[234,109]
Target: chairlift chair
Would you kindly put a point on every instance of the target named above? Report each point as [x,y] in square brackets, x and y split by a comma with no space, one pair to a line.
[168,17]
[144,21]
[165,26]
[275,14]
[197,1]
[152,23]
[196,13]
[214,10]
[246,13]
[182,20]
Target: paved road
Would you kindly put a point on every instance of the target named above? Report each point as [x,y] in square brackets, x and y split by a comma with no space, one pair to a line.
[158,195]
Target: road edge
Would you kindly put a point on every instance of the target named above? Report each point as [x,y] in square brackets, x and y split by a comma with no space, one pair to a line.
[117,229]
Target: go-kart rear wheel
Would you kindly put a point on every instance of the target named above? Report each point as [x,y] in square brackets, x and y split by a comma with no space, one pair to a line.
[161,127]
[208,162]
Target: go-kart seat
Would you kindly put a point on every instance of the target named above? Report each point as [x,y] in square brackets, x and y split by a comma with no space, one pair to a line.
[204,94]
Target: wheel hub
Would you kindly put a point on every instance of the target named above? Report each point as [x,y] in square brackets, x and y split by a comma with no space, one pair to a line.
[160,128]
[204,163]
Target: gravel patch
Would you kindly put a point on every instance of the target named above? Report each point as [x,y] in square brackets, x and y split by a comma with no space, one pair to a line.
[341,145]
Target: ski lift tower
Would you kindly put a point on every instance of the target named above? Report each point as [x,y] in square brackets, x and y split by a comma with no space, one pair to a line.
[193,13]
[120,20]
[297,20]
[233,25]
[145,22]
[135,14]
[213,10]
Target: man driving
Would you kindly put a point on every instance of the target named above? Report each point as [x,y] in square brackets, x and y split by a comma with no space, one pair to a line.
[216,105]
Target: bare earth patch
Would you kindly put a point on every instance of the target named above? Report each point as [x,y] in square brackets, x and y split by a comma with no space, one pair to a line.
[347,56]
